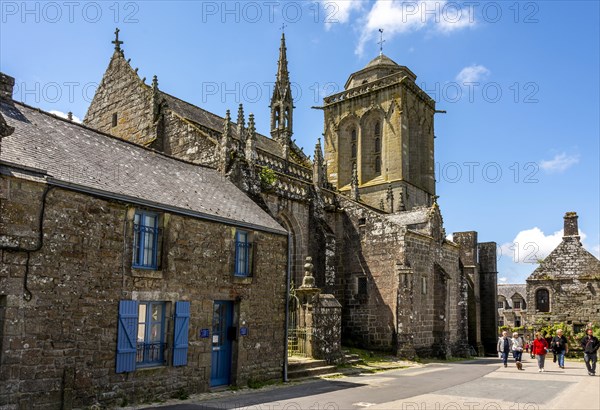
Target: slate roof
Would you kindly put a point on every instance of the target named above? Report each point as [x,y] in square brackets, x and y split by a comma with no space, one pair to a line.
[79,157]
[412,217]
[212,121]
[508,290]
[569,260]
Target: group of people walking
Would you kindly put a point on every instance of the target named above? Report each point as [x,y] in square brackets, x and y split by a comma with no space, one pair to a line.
[540,347]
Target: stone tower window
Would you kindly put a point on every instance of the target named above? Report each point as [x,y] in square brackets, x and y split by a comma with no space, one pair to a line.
[114,119]
[377,145]
[542,300]
[378,165]
[377,130]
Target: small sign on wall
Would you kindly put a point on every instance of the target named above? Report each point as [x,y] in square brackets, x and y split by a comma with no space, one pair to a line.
[243,331]
[204,333]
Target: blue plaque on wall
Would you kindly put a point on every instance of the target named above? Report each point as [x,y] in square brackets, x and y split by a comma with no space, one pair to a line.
[243,331]
[204,333]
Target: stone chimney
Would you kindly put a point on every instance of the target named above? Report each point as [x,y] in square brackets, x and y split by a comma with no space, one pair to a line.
[571,228]
[6,87]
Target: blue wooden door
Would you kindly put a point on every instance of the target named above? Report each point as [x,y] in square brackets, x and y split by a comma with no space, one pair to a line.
[220,372]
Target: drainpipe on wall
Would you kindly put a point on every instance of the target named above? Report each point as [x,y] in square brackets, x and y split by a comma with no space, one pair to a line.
[287,311]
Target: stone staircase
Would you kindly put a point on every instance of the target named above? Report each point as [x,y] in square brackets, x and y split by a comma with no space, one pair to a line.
[301,368]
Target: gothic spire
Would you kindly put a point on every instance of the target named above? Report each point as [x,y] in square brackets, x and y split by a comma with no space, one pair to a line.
[283,76]
[282,104]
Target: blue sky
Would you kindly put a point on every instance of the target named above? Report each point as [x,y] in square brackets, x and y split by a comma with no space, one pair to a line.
[517,148]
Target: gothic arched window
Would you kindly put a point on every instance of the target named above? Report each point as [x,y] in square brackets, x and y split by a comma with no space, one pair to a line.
[377,165]
[542,300]
[353,151]
[377,145]
[377,130]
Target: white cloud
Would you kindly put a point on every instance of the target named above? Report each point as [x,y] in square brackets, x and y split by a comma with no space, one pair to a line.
[472,74]
[65,116]
[398,16]
[595,250]
[338,12]
[560,162]
[503,279]
[532,245]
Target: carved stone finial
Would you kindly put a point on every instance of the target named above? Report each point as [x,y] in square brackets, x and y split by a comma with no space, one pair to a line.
[354,183]
[390,198]
[309,280]
[227,125]
[70,116]
[401,204]
[116,41]
[251,125]
[381,205]
[240,117]
[155,82]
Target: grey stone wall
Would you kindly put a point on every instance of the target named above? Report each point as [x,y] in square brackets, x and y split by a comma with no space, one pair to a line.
[488,291]
[60,345]
[415,291]
[123,93]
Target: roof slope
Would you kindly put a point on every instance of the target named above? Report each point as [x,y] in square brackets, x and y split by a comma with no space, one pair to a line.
[86,159]
[508,290]
[212,121]
[569,260]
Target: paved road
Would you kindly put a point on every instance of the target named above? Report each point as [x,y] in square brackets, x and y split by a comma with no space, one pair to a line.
[474,385]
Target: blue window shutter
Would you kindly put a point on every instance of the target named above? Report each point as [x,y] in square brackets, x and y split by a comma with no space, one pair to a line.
[127,336]
[180,340]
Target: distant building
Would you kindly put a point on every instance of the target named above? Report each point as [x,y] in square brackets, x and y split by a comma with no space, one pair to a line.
[512,305]
[563,289]
[566,285]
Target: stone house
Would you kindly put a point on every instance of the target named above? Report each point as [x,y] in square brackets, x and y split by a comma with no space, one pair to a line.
[512,305]
[127,274]
[564,288]
[364,208]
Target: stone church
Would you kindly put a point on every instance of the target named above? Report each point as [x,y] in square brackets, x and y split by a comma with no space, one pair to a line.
[364,208]
[150,251]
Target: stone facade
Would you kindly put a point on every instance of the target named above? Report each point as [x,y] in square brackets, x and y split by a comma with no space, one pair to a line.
[564,288]
[366,212]
[512,305]
[67,263]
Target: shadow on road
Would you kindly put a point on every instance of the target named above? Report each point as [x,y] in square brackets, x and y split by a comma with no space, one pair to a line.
[267,396]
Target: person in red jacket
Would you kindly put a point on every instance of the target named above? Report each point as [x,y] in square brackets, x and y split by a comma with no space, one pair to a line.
[539,349]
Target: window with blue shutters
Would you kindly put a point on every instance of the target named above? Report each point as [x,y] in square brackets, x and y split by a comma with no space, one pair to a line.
[150,333]
[145,240]
[243,254]
[180,338]
[127,336]
[142,330]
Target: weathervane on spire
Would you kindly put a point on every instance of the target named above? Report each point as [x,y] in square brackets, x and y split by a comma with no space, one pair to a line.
[283,26]
[381,41]
[116,42]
